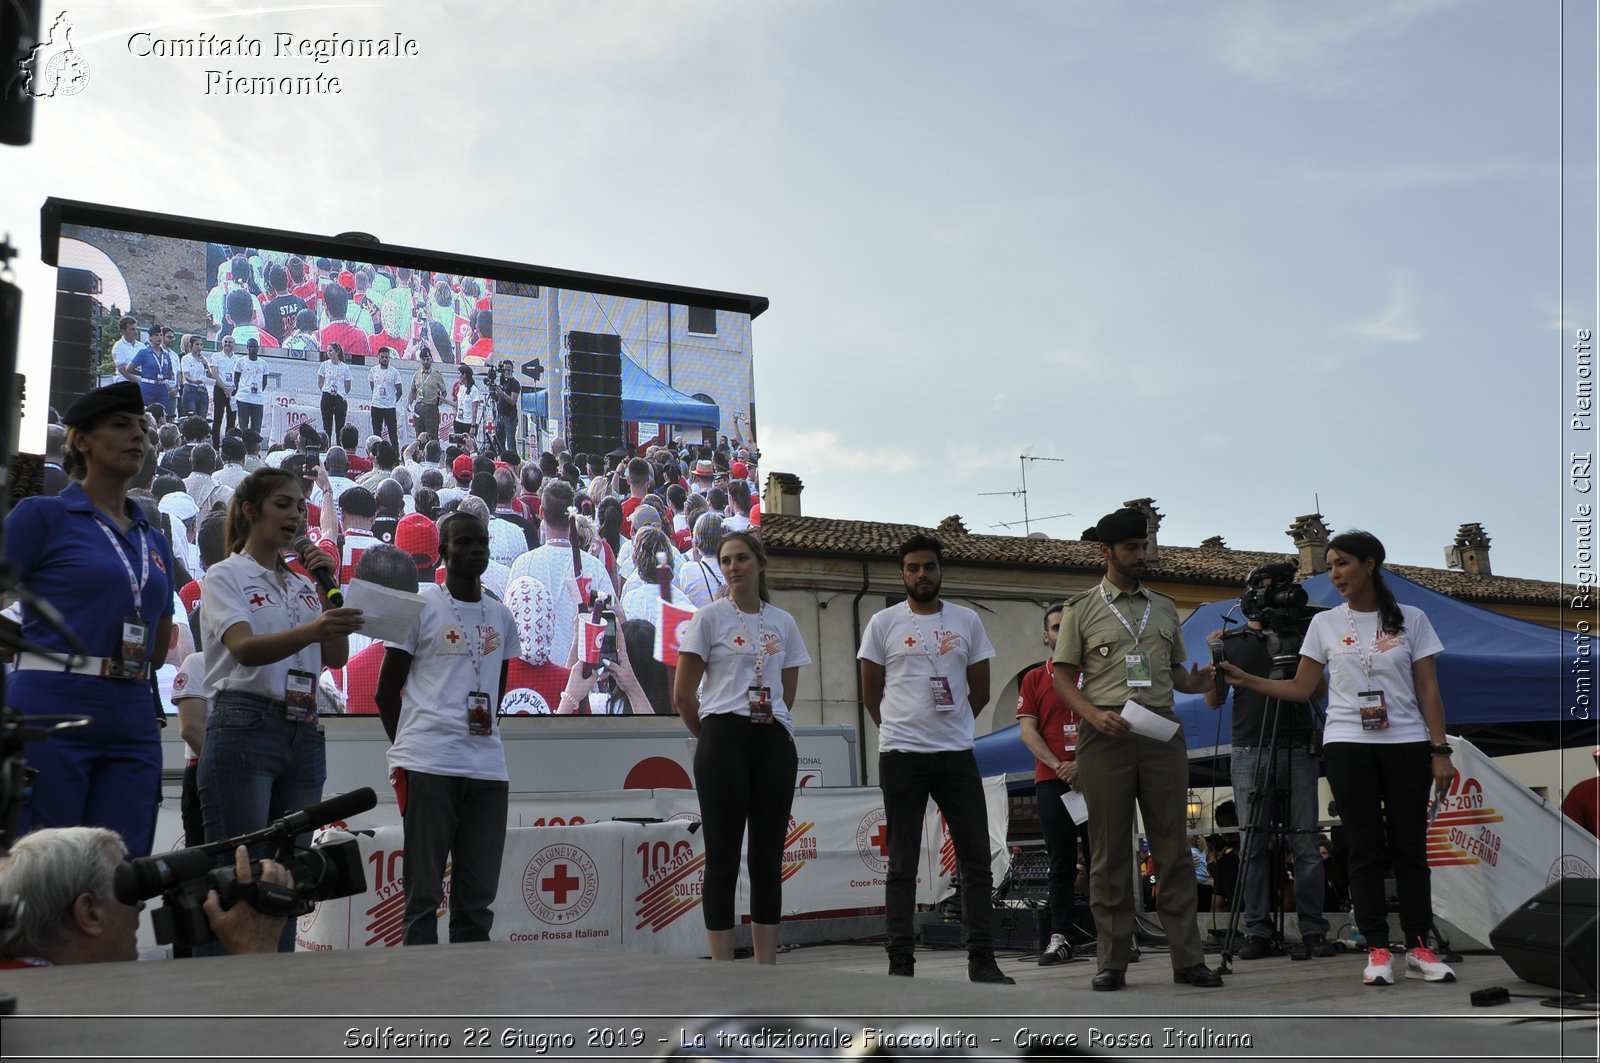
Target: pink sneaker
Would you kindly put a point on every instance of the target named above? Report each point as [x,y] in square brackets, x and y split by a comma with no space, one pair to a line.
[1422,963]
[1380,968]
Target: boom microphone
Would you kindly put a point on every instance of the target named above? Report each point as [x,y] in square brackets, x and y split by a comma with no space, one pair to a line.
[326,583]
[323,812]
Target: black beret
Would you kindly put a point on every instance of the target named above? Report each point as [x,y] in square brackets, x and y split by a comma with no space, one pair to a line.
[1121,526]
[121,397]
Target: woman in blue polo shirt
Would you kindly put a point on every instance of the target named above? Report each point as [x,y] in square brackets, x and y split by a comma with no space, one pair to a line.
[90,553]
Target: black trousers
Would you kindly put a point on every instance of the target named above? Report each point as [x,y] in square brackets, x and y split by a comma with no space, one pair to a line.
[334,408]
[744,773]
[951,779]
[384,415]
[224,412]
[1061,842]
[1381,790]
[464,821]
[250,416]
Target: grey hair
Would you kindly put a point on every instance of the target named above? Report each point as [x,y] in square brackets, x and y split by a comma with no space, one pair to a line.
[645,515]
[476,507]
[708,534]
[48,870]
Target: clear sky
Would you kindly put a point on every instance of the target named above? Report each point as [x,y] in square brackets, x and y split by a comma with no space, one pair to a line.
[1236,256]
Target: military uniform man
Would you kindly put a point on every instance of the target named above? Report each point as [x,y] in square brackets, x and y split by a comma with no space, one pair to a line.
[1127,640]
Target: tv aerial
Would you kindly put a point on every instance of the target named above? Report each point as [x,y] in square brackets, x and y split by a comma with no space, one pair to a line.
[1022,492]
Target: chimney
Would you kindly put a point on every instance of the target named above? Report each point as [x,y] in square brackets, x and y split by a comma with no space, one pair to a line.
[782,494]
[1152,522]
[1216,542]
[1311,536]
[950,527]
[1470,552]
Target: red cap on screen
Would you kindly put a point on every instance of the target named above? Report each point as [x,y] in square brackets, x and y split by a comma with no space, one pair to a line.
[739,470]
[462,466]
[417,536]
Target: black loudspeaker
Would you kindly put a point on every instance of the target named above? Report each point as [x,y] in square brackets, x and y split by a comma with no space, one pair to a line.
[73,358]
[593,393]
[19,32]
[1551,939]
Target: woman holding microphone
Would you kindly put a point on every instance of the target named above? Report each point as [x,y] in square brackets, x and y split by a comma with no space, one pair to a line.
[739,664]
[1383,747]
[268,634]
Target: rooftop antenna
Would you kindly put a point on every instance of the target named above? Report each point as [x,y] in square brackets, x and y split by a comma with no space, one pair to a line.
[1023,459]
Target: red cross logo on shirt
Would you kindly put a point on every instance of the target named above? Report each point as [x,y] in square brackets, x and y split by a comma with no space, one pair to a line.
[910,642]
[452,636]
[1348,640]
[738,640]
[560,883]
[256,599]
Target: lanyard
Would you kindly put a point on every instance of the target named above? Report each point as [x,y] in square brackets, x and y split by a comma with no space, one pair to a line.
[1124,620]
[473,655]
[1355,640]
[760,651]
[136,584]
[932,658]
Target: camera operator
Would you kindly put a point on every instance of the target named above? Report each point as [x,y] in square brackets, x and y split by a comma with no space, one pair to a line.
[1276,751]
[505,394]
[69,913]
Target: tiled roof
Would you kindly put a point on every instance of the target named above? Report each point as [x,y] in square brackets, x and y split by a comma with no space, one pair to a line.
[1188,564]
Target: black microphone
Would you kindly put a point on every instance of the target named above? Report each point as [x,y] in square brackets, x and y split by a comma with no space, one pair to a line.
[324,579]
[1217,675]
[323,812]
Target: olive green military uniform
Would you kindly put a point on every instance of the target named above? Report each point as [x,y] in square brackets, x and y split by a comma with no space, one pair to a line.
[1114,771]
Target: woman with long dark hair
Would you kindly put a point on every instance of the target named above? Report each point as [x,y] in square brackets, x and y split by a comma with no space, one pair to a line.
[267,635]
[739,662]
[1383,747]
[92,554]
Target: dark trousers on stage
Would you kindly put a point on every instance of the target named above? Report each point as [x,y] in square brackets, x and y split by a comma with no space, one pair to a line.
[1381,790]
[250,416]
[1061,842]
[463,820]
[334,408]
[744,775]
[384,416]
[951,779]
[225,413]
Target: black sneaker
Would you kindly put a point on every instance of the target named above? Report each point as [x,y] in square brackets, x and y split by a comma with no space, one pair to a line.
[1319,945]
[903,966]
[1254,948]
[982,968]
[1058,951]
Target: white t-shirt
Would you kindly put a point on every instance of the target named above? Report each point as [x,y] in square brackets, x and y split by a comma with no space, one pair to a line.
[190,682]
[551,565]
[700,580]
[469,404]
[122,352]
[913,649]
[385,386]
[238,588]
[195,371]
[455,647]
[252,380]
[507,542]
[335,375]
[225,364]
[726,638]
[1330,642]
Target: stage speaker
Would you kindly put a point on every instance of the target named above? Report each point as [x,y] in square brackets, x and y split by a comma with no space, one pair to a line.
[1551,939]
[73,357]
[19,32]
[594,393]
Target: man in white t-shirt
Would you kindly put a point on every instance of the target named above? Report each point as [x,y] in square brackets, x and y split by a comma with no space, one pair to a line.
[925,678]
[225,416]
[385,381]
[438,696]
[250,390]
[124,349]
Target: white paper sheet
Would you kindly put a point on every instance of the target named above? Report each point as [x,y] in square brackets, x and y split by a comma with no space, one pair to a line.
[388,615]
[1147,723]
[1077,807]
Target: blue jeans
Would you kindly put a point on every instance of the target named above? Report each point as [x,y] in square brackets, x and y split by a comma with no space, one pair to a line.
[196,399]
[1296,772]
[256,767]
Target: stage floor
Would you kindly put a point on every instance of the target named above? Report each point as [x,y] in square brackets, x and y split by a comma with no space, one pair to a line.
[502,1000]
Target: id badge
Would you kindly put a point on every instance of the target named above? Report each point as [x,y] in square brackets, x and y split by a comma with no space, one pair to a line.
[480,720]
[1374,715]
[132,651]
[760,701]
[1069,735]
[944,699]
[300,697]
[1136,669]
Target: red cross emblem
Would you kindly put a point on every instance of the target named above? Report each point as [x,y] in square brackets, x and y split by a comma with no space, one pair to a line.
[256,600]
[560,883]
[910,642]
[880,838]
[738,640]
[1348,640]
[452,636]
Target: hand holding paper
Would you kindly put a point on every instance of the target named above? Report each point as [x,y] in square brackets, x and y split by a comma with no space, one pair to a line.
[1147,723]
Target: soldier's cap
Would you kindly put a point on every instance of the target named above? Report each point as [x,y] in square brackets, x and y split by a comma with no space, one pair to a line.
[121,397]
[1121,526]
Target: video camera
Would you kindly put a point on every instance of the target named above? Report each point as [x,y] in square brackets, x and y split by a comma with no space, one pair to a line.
[184,878]
[1279,607]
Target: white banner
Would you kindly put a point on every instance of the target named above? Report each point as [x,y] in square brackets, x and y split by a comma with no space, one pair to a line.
[572,874]
[1494,843]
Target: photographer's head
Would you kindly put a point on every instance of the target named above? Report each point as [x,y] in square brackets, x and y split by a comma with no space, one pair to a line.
[1123,536]
[70,914]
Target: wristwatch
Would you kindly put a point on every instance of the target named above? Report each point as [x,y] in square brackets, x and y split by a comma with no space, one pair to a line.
[1442,750]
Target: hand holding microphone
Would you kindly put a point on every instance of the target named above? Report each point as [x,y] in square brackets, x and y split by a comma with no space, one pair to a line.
[336,621]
